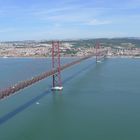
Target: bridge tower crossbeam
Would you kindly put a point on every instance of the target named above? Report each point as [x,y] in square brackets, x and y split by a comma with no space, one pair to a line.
[57,83]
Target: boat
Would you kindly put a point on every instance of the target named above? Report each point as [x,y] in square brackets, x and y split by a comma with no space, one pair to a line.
[37,103]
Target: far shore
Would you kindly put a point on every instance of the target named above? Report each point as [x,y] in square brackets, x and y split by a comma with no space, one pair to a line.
[41,57]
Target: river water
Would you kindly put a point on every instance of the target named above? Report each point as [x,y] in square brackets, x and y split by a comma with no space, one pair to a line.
[99,102]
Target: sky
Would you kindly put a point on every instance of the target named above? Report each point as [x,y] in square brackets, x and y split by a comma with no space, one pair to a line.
[68,19]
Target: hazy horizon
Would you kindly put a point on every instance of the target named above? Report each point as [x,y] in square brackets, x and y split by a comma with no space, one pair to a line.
[67,39]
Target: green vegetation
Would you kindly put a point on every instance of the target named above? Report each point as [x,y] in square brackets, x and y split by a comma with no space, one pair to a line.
[122,42]
[72,52]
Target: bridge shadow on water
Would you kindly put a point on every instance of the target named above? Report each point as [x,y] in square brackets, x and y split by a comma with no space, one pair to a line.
[21,108]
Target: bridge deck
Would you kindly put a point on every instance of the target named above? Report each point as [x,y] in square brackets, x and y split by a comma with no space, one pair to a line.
[21,85]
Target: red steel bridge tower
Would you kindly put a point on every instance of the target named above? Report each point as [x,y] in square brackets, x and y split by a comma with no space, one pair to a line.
[101,53]
[97,52]
[57,83]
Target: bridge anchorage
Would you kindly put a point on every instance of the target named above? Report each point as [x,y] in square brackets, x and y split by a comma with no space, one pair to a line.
[101,53]
[57,83]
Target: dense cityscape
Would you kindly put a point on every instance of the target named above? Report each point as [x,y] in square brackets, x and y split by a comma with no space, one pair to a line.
[70,48]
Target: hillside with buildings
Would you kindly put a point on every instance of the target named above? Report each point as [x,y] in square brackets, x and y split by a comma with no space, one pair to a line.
[69,48]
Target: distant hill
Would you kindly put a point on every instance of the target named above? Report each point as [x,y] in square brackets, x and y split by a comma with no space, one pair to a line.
[106,42]
[123,42]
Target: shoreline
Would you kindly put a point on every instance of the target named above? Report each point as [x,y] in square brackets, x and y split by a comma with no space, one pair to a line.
[34,57]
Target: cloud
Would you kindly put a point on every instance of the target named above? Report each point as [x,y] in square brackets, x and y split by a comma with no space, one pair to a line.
[98,22]
[71,18]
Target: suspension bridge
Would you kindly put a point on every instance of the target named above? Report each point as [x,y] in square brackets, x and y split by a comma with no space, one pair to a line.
[55,71]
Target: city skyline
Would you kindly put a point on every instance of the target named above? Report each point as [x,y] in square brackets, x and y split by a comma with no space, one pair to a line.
[71,19]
